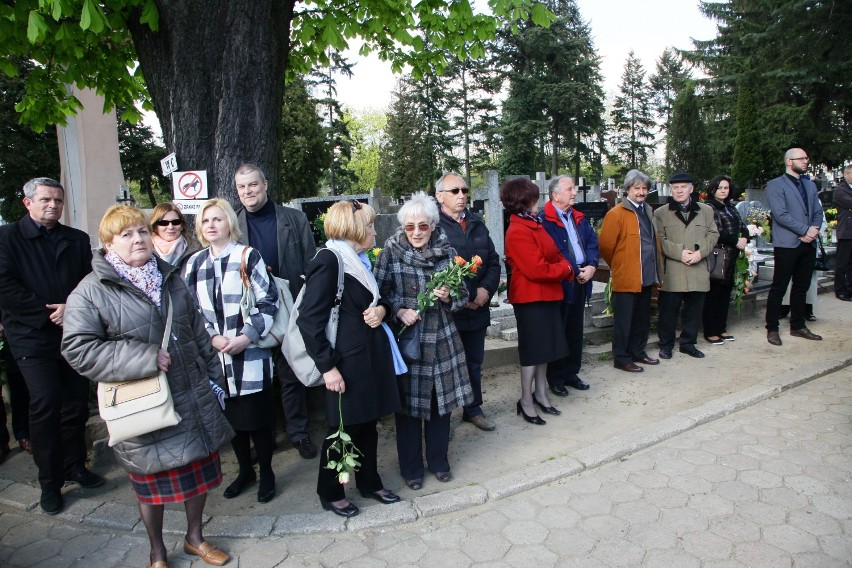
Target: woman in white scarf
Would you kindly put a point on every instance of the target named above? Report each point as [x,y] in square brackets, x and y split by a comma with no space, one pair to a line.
[170,235]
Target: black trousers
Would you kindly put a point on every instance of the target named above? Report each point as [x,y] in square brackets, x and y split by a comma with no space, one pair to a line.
[632,323]
[474,353]
[567,369]
[19,401]
[366,438]
[58,414]
[409,442]
[841,267]
[796,264]
[294,399]
[686,304]
[716,305]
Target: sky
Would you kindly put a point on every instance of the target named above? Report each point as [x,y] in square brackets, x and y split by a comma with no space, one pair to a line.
[645,26]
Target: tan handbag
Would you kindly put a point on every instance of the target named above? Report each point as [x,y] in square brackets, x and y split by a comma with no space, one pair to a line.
[133,408]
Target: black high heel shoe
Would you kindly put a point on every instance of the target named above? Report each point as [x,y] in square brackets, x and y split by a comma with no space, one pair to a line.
[531,419]
[349,510]
[547,409]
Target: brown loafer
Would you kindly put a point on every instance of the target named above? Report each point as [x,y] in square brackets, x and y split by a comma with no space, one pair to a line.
[25,445]
[805,333]
[207,552]
[630,368]
[647,361]
[773,337]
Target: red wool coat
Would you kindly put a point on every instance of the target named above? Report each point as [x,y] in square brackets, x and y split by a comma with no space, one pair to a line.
[538,267]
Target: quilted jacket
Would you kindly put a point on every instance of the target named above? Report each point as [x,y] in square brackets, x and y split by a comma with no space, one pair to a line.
[112,333]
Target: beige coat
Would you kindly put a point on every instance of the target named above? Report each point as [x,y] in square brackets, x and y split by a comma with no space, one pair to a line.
[675,236]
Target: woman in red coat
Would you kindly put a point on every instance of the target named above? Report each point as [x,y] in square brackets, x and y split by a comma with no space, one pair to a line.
[535,291]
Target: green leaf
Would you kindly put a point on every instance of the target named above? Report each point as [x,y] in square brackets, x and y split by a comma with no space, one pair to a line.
[36,26]
[92,17]
[331,464]
[8,68]
[150,15]
[541,16]
[345,437]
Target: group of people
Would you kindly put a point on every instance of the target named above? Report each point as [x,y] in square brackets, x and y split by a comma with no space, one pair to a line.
[71,315]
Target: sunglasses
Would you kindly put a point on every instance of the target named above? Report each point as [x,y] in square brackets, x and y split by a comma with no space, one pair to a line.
[456,190]
[164,223]
[422,226]
[356,205]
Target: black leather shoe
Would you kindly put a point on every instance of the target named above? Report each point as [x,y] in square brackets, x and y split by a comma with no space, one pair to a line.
[51,502]
[547,409]
[844,298]
[665,354]
[647,361]
[578,384]
[306,448]
[87,479]
[349,510]
[805,333]
[692,351]
[383,498]
[630,368]
[414,484]
[266,490]
[443,476]
[773,337]
[238,486]
[559,390]
[534,419]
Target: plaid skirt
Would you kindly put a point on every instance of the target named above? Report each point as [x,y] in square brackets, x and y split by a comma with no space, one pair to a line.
[179,484]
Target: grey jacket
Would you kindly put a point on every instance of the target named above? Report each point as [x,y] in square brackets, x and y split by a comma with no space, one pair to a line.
[296,245]
[789,218]
[112,333]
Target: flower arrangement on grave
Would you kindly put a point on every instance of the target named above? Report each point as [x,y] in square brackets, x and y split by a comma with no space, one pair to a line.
[759,218]
[453,277]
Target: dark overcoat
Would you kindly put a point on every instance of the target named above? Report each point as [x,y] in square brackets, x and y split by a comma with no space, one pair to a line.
[402,273]
[34,271]
[361,354]
[843,203]
[474,240]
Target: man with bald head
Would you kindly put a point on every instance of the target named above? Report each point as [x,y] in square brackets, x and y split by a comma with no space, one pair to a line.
[796,219]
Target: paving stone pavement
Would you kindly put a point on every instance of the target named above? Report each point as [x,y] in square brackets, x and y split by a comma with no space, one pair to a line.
[767,486]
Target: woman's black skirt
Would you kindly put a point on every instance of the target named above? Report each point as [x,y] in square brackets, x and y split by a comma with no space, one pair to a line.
[541,333]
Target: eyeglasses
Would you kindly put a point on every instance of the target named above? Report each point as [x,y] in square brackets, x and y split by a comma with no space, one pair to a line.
[164,223]
[356,205]
[805,158]
[422,226]
[456,190]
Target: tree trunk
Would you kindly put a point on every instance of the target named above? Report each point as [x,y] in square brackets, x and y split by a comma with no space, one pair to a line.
[217,95]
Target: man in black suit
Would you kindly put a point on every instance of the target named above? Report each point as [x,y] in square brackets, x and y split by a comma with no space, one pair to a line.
[41,262]
[843,203]
[283,238]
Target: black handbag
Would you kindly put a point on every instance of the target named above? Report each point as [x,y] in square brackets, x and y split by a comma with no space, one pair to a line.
[409,343]
[821,259]
[721,264]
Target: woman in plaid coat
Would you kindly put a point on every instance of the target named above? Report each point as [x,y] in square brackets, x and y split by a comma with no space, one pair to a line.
[213,276]
[438,382]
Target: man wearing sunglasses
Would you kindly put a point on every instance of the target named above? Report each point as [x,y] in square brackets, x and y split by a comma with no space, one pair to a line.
[284,239]
[469,236]
[796,219]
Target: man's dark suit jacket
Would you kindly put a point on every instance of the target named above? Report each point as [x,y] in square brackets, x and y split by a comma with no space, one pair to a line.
[35,272]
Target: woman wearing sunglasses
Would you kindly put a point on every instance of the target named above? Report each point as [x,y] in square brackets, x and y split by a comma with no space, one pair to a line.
[172,240]
[438,382]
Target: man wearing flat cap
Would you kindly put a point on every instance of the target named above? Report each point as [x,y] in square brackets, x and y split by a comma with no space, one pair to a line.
[687,233]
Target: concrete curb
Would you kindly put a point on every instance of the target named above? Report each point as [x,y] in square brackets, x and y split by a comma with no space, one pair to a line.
[124,517]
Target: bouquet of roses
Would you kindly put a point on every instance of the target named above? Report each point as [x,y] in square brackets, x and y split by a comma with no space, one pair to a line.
[453,277]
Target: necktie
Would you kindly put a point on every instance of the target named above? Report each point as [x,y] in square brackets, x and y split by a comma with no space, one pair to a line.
[801,187]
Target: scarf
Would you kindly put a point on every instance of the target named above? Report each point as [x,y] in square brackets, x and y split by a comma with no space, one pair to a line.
[358,267]
[172,251]
[147,277]
[529,216]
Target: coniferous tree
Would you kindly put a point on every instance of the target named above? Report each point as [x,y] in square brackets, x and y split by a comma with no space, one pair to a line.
[140,156]
[305,153]
[747,147]
[404,163]
[340,177]
[667,81]
[368,137]
[555,103]
[686,146]
[632,122]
